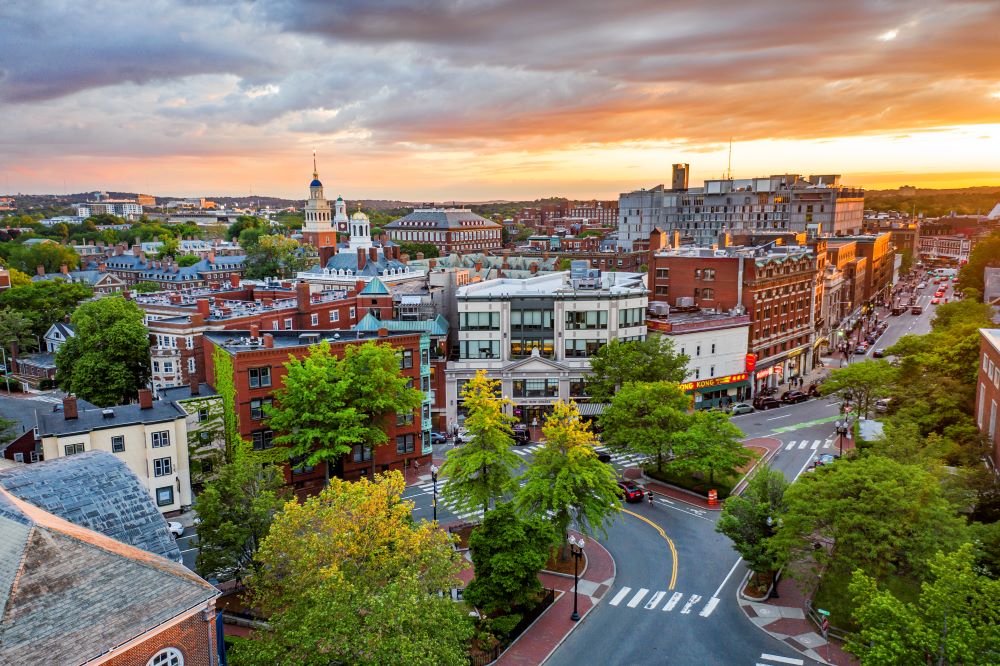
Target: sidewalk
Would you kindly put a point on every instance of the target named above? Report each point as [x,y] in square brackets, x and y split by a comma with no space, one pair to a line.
[783,616]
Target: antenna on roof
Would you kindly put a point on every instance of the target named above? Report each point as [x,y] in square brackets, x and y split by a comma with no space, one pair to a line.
[729,166]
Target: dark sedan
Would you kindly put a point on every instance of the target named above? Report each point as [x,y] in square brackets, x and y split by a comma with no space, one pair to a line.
[794,397]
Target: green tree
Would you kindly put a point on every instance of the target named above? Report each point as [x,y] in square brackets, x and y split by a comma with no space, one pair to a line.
[483,469]
[617,363]
[328,405]
[985,253]
[751,519]
[170,248]
[107,362]
[429,250]
[956,619]
[18,278]
[244,222]
[51,256]
[147,287]
[16,330]
[236,510]
[645,418]
[45,302]
[348,577]
[870,513]
[566,478]
[188,260]
[277,256]
[251,236]
[710,444]
[507,554]
[860,385]
[905,262]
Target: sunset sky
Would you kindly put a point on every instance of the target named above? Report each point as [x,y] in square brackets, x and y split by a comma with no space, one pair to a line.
[483,99]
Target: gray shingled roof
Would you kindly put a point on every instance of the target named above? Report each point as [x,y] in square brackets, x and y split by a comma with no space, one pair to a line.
[55,423]
[442,220]
[69,594]
[95,490]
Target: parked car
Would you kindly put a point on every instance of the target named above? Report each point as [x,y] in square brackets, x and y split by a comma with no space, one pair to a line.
[882,405]
[438,437]
[741,408]
[921,285]
[861,349]
[462,436]
[916,309]
[794,397]
[878,353]
[176,529]
[935,301]
[766,402]
[521,434]
[631,492]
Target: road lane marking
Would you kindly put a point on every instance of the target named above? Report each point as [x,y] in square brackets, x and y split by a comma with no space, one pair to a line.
[783,660]
[726,579]
[673,548]
[816,444]
[634,601]
[804,444]
[828,443]
[654,601]
[775,418]
[709,607]
[622,593]
[790,445]
[674,600]
[692,600]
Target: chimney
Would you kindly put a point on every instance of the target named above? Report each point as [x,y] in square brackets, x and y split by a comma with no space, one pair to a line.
[676,243]
[69,408]
[145,399]
[234,280]
[373,254]
[362,258]
[195,387]
[268,341]
[302,296]
[383,332]
[136,250]
[40,270]
[211,256]
[724,240]
[254,331]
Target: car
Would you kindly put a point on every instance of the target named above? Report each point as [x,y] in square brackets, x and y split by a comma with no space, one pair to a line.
[461,436]
[939,293]
[861,349]
[882,405]
[916,309]
[631,492]
[879,352]
[794,397]
[521,434]
[935,301]
[741,408]
[825,459]
[604,457]
[921,285]
[438,437]
[176,529]
[766,402]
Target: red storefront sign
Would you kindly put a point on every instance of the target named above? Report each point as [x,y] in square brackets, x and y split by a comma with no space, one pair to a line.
[715,381]
[767,372]
[751,362]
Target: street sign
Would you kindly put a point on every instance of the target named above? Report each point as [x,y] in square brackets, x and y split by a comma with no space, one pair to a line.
[825,613]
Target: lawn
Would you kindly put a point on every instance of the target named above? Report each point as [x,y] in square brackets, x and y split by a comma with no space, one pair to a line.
[832,595]
[698,483]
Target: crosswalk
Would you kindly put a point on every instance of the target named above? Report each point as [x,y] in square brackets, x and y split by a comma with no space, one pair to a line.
[766,659]
[45,398]
[618,458]
[809,444]
[454,509]
[664,600]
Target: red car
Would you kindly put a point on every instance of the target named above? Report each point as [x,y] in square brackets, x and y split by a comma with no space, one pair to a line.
[632,492]
[935,301]
[938,294]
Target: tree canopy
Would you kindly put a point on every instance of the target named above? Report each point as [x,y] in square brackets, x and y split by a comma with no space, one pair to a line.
[348,577]
[51,256]
[986,252]
[710,444]
[646,417]
[16,331]
[860,385]
[45,302]
[107,362]
[277,256]
[750,519]
[617,363]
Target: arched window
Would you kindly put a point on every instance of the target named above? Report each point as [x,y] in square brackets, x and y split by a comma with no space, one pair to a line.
[167,657]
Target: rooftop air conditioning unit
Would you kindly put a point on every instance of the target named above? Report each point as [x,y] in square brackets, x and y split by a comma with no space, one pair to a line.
[659,308]
[108,413]
[685,301]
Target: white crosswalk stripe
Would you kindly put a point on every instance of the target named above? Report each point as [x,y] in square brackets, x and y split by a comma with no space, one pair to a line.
[709,607]
[654,601]
[674,600]
[772,659]
[804,444]
[634,601]
[815,445]
[692,600]
[617,599]
[790,445]
[828,443]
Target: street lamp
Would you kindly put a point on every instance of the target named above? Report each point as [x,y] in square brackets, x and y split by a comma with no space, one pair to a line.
[434,478]
[576,549]
[842,433]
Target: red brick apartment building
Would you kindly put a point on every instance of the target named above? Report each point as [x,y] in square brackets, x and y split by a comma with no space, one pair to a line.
[988,390]
[775,286]
[258,363]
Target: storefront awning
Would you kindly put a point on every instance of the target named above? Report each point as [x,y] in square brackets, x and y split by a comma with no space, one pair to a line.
[591,408]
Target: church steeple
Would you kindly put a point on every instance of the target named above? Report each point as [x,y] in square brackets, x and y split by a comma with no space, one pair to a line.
[317,212]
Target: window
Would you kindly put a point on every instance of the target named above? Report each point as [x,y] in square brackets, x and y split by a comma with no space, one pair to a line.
[167,657]
[260,377]
[697,350]
[582,348]
[708,274]
[631,317]
[334,315]
[406,359]
[191,366]
[708,294]
[361,453]
[288,324]
[314,319]
[404,443]
[162,466]
[479,349]
[274,325]
[164,497]
[662,273]
[70,449]
[35,457]
[713,347]
[479,321]
[203,414]
[257,406]
[353,313]
[404,419]
[156,366]
[19,457]
[299,466]
[117,444]
[161,439]
[262,439]
[536,388]
[589,319]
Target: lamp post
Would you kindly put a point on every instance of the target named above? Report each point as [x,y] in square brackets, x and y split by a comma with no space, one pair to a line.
[576,548]
[841,433]
[434,502]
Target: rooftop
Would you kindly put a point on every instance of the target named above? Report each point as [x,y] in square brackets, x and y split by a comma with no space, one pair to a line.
[557,285]
[55,423]
[175,393]
[240,341]
[441,218]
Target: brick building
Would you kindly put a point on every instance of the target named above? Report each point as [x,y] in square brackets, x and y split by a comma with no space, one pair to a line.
[775,286]
[988,390]
[456,230]
[880,261]
[258,363]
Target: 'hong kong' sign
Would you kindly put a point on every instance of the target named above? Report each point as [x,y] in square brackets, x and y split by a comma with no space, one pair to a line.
[715,381]
[767,372]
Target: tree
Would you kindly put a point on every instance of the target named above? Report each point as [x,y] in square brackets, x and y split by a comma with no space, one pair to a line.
[482,470]
[870,513]
[147,287]
[861,384]
[955,620]
[277,256]
[328,405]
[50,255]
[566,478]
[710,444]
[985,253]
[429,250]
[236,510]
[16,331]
[170,247]
[906,262]
[188,260]
[650,360]
[18,278]
[645,417]
[752,518]
[107,361]
[45,302]
[244,222]
[348,577]
[507,554]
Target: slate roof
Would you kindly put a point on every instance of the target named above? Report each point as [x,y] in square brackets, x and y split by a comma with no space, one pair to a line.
[348,261]
[442,219]
[70,594]
[55,424]
[175,393]
[95,490]
[146,270]
[65,330]
[90,276]
[375,287]
[436,326]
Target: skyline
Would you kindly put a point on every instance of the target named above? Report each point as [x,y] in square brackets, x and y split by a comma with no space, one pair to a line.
[497,99]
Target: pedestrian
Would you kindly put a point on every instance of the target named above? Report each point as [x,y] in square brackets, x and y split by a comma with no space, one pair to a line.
[649,496]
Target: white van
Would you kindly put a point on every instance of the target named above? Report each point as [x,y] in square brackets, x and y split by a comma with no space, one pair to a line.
[882,405]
